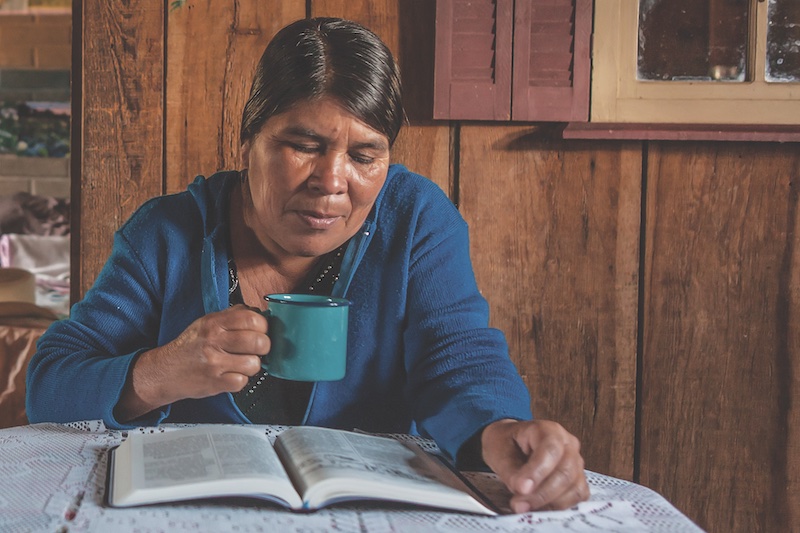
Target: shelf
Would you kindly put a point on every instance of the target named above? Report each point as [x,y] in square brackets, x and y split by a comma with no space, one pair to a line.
[683,132]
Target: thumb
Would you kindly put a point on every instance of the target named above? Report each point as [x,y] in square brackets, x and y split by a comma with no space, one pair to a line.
[505,457]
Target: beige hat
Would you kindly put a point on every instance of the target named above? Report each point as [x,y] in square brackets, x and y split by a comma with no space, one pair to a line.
[18,295]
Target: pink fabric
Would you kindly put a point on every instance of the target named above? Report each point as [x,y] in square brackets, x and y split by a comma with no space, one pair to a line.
[34,235]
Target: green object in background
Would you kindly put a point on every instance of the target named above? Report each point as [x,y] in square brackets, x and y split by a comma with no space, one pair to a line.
[34,129]
[9,129]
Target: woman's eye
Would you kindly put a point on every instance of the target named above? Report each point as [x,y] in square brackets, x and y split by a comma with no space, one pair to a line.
[302,148]
[362,159]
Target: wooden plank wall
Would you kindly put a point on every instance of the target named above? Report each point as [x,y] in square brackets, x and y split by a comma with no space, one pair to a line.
[650,292]
[720,428]
[555,239]
[118,121]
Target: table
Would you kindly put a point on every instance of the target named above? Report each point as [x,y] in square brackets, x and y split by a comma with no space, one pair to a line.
[52,478]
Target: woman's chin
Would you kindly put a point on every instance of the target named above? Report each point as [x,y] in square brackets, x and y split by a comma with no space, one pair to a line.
[313,248]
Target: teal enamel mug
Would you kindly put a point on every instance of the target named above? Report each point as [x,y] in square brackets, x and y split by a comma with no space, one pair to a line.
[309,337]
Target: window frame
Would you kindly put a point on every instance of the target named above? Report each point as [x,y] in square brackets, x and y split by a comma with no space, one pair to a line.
[618,97]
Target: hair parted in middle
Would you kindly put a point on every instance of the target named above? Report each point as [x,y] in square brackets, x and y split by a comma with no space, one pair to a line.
[319,57]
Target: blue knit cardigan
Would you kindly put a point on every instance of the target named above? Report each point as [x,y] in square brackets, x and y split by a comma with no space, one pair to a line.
[421,357]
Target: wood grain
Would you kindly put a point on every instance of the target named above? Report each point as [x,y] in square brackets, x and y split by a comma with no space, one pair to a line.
[720,431]
[555,228]
[119,164]
[555,238]
[213,50]
[423,145]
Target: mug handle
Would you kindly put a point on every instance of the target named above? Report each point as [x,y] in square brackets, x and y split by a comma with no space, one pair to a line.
[267,313]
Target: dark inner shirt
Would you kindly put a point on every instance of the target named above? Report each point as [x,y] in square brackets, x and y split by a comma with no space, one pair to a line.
[267,399]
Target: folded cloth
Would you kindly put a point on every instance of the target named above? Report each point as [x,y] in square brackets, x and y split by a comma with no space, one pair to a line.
[18,295]
[47,258]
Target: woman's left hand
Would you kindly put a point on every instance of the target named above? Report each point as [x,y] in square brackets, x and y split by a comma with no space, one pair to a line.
[539,461]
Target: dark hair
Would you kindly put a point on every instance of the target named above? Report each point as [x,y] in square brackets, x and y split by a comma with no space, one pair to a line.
[312,58]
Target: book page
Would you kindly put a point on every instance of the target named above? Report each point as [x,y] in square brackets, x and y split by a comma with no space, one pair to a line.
[201,461]
[190,457]
[332,465]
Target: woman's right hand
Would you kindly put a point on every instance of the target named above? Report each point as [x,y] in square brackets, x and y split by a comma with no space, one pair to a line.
[217,353]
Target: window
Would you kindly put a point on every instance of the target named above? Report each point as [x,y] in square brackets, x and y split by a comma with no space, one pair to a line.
[696,62]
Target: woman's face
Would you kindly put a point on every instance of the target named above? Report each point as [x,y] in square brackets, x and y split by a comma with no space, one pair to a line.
[314,174]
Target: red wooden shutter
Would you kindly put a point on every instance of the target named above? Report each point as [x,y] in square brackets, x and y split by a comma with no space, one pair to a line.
[472,77]
[552,47]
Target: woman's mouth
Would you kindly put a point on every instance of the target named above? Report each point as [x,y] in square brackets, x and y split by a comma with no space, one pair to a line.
[316,220]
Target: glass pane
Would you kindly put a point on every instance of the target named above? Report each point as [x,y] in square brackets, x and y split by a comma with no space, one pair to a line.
[682,40]
[783,41]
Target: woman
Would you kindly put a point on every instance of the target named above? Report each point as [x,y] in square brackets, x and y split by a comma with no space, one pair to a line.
[171,332]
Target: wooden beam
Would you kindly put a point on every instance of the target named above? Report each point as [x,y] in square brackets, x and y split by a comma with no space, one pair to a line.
[118,141]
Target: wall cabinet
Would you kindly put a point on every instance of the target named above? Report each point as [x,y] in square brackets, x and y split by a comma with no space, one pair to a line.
[521,60]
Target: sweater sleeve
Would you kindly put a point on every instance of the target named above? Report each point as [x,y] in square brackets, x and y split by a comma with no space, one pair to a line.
[460,375]
[81,363]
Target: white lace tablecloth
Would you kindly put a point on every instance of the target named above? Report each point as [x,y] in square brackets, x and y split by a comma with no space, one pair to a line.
[52,478]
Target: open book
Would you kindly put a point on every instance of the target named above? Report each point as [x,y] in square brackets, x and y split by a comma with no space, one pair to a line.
[308,468]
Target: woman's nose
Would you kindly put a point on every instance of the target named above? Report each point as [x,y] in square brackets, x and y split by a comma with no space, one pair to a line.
[329,175]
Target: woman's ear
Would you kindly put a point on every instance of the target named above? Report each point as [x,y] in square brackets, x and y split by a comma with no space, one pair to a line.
[244,154]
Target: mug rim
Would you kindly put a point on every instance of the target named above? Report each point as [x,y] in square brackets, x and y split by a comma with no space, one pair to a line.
[308,300]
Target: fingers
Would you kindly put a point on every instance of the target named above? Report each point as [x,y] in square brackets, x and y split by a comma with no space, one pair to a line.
[237,330]
[241,342]
[555,477]
[539,461]
[245,365]
[503,455]
[234,381]
[576,492]
[237,318]
[219,352]
[544,445]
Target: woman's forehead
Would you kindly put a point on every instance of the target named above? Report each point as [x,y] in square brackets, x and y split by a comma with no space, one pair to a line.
[323,118]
